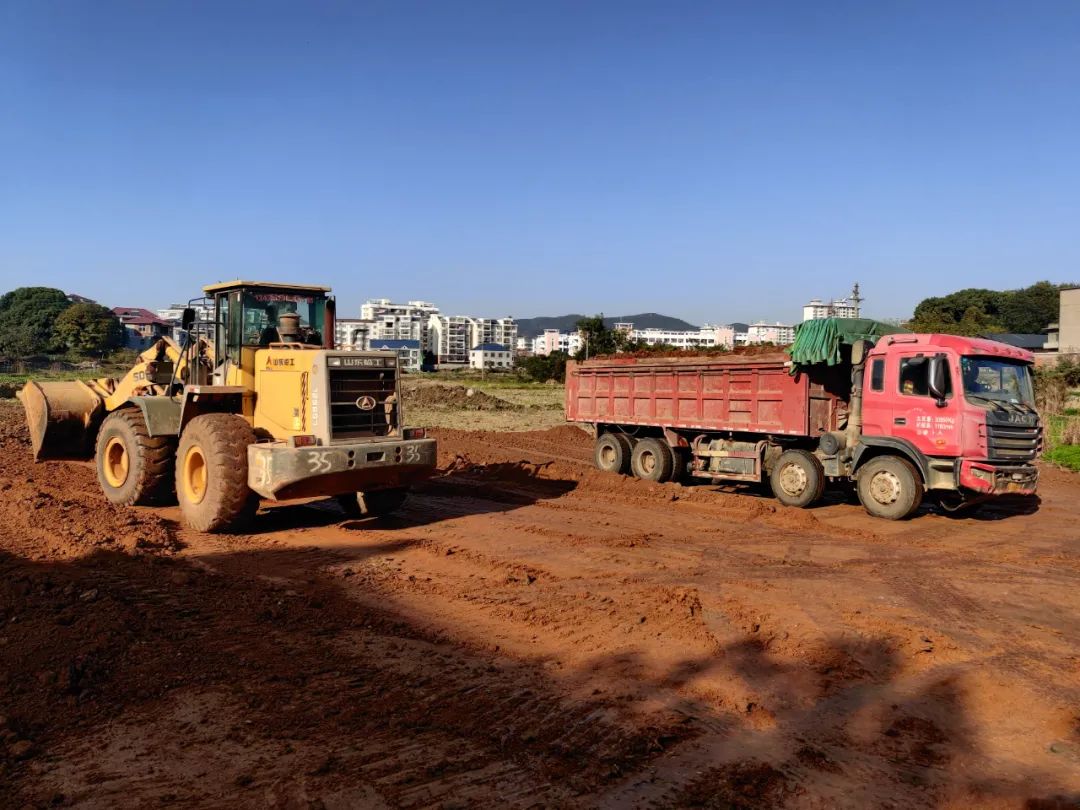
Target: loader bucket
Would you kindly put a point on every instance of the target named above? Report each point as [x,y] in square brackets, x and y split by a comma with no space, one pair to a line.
[63,417]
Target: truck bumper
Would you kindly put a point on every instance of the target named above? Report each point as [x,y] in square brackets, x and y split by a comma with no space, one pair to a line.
[279,472]
[990,479]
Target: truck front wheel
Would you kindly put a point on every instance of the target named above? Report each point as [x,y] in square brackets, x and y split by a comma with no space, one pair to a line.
[889,487]
[653,460]
[797,478]
[613,453]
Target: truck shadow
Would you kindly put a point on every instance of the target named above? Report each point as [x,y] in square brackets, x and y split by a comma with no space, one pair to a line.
[459,490]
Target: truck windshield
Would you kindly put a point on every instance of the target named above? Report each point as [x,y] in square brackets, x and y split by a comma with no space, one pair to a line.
[991,378]
[263,308]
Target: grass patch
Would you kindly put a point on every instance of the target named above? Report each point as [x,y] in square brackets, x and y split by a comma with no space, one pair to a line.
[1067,455]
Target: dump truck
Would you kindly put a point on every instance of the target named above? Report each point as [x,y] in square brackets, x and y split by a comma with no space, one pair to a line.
[898,414]
[255,403]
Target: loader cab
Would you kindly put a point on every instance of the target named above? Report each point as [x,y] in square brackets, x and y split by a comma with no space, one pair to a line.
[250,315]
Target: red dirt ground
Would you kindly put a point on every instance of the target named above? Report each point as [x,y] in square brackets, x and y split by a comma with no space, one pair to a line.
[529,632]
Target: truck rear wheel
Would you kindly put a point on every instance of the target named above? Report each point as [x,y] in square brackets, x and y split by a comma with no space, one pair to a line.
[797,478]
[652,460]
[613,453]
[133,467]
[889,487]
[212,473]
[376,503]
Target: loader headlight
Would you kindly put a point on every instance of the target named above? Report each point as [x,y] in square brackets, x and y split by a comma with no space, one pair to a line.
[333,361]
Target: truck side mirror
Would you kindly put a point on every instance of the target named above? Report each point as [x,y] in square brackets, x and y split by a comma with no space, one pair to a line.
[936,379]
[187,320]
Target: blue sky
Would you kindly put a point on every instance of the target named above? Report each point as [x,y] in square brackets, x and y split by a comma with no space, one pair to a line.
[714,161]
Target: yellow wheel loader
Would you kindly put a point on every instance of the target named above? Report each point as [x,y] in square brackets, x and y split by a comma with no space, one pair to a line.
[262,406]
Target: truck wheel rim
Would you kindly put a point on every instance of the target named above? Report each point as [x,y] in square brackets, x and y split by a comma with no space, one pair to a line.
[115,465]
[793,479]
[607,456]
[194,475]
[885,488]
[647,462]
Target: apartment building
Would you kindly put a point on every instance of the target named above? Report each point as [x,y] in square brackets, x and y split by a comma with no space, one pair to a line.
[552,340]
[706,337]
[849,307]
[779,333]
[450,338]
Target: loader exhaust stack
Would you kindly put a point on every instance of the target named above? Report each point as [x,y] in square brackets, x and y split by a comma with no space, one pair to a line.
[62,417]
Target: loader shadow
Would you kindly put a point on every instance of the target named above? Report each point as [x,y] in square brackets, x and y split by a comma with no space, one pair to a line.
[460,490]
[335,698]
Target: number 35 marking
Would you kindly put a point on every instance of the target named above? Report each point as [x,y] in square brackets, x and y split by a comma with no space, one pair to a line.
[319,462]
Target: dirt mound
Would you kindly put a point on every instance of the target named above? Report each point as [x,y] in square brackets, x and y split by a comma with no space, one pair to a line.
[435,395]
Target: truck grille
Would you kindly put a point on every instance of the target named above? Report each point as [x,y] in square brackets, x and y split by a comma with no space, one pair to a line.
[1013,442]
[350,386]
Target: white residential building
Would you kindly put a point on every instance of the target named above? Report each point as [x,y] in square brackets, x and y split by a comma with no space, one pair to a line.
[836,308]
[779,333]
[555,341]
[705,337]
[491,356]
[390,321]
[503,331]
[450,338]
[353,333]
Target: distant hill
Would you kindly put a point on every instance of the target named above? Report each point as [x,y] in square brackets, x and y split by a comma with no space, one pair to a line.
[531,327]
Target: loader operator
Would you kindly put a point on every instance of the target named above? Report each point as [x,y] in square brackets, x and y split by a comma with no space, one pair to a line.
[287,327]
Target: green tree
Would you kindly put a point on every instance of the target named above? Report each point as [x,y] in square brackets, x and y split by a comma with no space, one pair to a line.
[598,340]
[89,329]
[1031,309]
[27,318]
[945,313]
[542,368]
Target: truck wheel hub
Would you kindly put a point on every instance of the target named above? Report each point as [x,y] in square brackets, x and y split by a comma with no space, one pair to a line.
[793,479]
[607,455]
[648,462]
[885,488]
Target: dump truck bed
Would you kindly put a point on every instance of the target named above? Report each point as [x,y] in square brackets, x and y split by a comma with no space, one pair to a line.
[742,393]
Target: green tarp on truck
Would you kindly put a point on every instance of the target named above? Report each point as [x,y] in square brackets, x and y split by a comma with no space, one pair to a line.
[819,341]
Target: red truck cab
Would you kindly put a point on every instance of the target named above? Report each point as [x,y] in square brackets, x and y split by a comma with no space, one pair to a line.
[977,424]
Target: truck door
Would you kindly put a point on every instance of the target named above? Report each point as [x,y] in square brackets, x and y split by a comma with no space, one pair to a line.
[877,403]
[931,425]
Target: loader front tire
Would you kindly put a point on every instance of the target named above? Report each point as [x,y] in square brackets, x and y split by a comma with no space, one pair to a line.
[212,473]
[133,467]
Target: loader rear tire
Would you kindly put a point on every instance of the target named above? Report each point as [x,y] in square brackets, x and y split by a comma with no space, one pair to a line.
[376,503]
[212,473]
[133,467]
